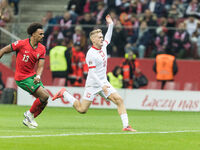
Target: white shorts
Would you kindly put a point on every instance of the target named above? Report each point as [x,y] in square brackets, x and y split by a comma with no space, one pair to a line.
[91,92]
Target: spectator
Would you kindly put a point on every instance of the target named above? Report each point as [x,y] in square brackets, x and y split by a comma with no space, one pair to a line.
[68,39]
[73,13]
[48,20]
[136,7]
[181,42]
[167,4]
[193,8]
[79,6]
[54,37]
[124,6]
[174,12]
[66,23]
[87,20]
[129,66]
[140,39]
[116,48]
[151,21]
[161,41]
[198,41]
[113,5]
[125,19]
[15,4]
[115,77]
[60,60]
[195,44]
[180,7]
[165,68]
[156,7]
[171,25]
[114,16]
[78,65]
[6,13]
[94,4]
[191,24]
[79,37]
[100,13]
[134,21]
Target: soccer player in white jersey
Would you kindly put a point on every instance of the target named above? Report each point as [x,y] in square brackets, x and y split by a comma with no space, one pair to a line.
[96,82]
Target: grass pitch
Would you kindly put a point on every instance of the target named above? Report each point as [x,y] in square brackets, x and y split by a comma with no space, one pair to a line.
[99,129]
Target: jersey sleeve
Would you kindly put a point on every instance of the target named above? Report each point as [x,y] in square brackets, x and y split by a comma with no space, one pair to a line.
[90,60]
[108,35]
[42,56]
[16,45]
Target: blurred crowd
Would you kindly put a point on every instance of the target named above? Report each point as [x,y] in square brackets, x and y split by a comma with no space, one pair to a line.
[8,8]
[8,11]
[144,27]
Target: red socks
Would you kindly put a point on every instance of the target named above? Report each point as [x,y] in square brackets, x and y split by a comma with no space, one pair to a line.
[37,107]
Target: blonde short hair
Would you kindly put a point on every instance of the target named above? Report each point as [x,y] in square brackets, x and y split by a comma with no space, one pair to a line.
[95,31]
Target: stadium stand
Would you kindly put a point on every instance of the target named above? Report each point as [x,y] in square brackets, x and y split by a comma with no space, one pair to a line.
[37,9]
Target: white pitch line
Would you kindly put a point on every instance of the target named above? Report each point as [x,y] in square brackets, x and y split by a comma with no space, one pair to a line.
[20,131]
[80,134]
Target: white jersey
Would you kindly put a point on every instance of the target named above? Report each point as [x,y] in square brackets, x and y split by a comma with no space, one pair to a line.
[96,59]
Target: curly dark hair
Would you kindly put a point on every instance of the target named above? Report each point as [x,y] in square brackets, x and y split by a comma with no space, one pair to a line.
[33,27]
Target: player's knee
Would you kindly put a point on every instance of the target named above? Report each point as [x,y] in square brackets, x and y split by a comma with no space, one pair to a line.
[44,97]
[119,100]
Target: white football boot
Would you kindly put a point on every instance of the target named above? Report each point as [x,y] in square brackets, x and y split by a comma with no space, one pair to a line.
[27,123]
[29,116]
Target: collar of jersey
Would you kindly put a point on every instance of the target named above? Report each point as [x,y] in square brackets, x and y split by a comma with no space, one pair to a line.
[31,44]
[95,48]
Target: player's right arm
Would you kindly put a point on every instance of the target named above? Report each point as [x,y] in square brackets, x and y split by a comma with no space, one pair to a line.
[6,49]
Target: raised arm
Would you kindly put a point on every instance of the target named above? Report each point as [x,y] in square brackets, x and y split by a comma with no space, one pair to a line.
[110,29]
[4,50]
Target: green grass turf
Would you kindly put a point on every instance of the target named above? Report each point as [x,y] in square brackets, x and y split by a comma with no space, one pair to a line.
[56,120]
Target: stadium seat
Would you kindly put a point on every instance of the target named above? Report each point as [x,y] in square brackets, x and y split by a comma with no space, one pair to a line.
[190,86]
[59,82]
[154,85]
[172,86]
[10,83]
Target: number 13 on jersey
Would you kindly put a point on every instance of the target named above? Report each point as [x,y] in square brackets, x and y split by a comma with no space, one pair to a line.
[25,58]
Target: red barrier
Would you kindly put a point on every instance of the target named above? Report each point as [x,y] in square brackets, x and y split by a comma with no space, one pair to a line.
[188,71]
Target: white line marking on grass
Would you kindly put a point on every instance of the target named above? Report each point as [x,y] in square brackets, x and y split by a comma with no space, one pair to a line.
[31,131]
[80,134]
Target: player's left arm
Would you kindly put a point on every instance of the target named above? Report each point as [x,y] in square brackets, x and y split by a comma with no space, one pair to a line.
[110,29]
[39,70]
[6,49]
